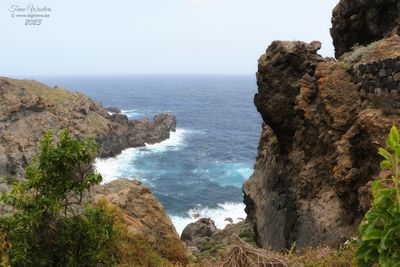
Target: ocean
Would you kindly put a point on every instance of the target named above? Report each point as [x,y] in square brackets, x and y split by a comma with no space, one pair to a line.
[200,170]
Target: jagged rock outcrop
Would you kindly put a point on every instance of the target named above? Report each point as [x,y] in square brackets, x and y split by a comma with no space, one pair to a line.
[318,148]
[362,22]
[28,109]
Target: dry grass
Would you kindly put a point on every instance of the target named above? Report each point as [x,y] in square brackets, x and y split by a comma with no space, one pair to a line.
[241,254]
[376,51]
[386,48]
[322,257]
[357,54]
[5,247]
[135,249]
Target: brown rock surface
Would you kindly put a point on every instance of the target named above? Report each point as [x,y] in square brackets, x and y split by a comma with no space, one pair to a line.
[318,148]
[362,22]
[145,215]
[28,109]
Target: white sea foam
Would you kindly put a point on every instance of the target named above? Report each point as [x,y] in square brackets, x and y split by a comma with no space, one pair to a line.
[225,173]
[115,167]
[132,113]
[234,211]
[245,172]
[173,143]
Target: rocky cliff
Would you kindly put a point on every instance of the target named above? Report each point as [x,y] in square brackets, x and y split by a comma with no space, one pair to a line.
[28,109]
[360,22]
[324,120]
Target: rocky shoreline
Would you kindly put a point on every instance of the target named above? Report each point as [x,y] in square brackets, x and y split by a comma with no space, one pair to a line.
[28,109]
[323,121]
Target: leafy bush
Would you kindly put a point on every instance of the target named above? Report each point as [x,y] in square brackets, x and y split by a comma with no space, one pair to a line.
[380,229]
[44,229]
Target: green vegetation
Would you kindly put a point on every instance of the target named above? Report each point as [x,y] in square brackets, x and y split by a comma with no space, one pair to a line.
[9,180]
[50,225]
[380,229]
[358,52]
[248,236]
[44,230]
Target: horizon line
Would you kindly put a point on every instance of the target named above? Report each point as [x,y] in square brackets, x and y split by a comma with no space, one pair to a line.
[18,76]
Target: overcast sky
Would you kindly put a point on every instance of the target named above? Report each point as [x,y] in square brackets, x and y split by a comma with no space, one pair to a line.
[156,36]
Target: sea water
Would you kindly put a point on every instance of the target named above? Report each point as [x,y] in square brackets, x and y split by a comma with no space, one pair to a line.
[200,169]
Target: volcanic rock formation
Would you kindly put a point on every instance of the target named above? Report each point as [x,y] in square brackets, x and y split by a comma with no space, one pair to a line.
[323,123]
[28,109]
[362,22]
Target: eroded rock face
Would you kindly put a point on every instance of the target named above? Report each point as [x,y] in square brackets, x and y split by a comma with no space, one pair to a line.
[145,215]
[318,148]
[28,109]
[362,22]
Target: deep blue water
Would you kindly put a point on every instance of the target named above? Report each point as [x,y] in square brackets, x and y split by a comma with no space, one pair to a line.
[205,163]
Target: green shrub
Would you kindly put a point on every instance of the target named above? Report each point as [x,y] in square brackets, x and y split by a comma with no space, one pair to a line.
[356,54]
[380,229]
[44,229]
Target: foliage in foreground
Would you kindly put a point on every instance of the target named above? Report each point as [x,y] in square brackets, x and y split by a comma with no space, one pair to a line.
[135,249]
[49,226]
[43,230]
[380,229]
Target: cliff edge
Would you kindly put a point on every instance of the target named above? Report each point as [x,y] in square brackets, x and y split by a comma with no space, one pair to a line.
[324,120]
[28,109]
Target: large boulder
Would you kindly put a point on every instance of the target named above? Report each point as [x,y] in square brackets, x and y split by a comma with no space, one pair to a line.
[204,239]
[362,22]
[318,149]
[28,109]
[195,232]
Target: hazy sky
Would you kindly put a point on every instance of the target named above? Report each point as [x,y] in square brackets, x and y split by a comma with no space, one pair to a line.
[156,36]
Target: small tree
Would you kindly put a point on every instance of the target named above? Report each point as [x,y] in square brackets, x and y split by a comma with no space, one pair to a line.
[380,229]
[43,230]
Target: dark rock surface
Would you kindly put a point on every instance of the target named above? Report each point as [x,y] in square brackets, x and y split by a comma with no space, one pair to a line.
[362,22]
[318,148]
[28,109]
[380,81]
[195,232]
[203,239]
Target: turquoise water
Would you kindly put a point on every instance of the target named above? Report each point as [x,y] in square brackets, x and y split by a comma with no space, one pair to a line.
[202,167]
